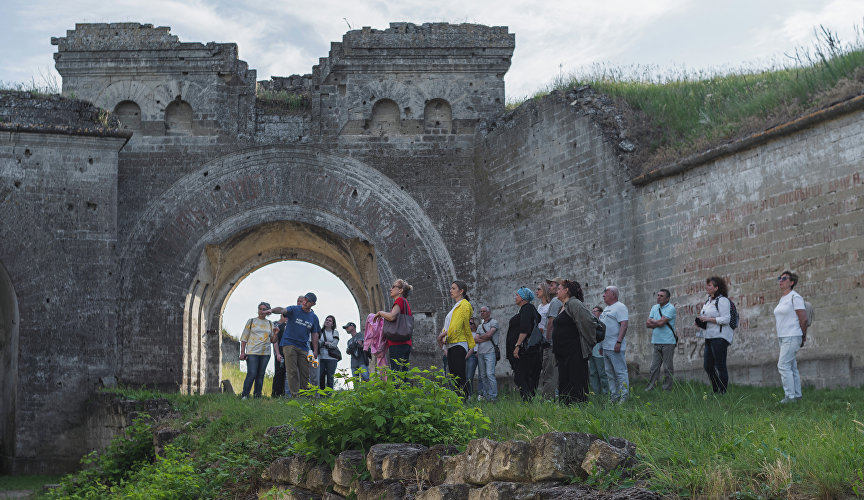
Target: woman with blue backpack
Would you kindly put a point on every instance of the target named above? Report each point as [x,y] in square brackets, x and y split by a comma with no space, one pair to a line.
[715,319]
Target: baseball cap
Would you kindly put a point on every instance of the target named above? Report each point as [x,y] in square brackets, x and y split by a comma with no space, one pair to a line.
[350,323]
[559,280]
[311,298]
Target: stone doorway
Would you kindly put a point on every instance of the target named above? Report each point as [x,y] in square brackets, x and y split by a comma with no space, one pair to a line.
[223,266]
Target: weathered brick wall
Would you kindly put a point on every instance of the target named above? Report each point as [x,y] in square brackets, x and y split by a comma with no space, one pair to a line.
[58,199]
[561,204]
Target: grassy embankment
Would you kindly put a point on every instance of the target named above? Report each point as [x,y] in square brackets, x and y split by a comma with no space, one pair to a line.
[690,443]
[679,112]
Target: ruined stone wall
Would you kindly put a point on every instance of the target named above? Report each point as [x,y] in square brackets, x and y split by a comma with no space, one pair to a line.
[58,199]
[562,205]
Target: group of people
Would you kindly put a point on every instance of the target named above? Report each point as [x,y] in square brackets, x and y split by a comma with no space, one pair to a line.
[553,345]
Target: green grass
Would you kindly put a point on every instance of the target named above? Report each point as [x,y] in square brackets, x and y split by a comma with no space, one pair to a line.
[282,100]
[27,483]
[693,110]
[690,443]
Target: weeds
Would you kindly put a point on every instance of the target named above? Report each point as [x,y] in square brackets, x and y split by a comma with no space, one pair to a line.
[282,100]
[689,110]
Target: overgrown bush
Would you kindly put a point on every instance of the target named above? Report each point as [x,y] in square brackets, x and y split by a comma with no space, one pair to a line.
[416,406]
[123,457]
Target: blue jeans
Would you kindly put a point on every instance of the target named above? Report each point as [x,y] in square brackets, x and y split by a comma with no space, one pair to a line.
[486,377]
[470,370]
[328,369]
[256,365]
[616,372]
[787,365]
[357,363]
[597,374]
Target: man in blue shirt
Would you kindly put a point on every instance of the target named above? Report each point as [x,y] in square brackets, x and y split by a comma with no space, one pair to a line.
[662,320]
[301,325]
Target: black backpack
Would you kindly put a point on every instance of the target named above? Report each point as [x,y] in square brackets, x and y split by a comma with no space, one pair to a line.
[733,312]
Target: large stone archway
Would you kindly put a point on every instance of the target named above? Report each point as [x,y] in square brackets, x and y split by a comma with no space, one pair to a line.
[9,320]
[245,210]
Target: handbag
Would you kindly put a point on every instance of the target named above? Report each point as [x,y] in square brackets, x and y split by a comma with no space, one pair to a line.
[399,330]
[332,351]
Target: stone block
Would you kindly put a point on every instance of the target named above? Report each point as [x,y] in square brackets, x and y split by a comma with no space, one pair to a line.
[510,461]
[444,492]
[347,467]
[162,438]
[454,469]
[377,454]
[319,478]
[478,460]
[280,470]
[430,463]
[559,455]
[603,456]
[388,489]
[401,464]
[284,492]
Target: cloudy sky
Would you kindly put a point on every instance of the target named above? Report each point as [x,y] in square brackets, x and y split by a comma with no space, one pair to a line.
[281,38]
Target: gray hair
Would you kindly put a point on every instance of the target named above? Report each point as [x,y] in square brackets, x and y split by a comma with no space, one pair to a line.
[613,289]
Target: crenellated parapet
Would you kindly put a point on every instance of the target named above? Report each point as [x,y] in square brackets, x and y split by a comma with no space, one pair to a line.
[155,83]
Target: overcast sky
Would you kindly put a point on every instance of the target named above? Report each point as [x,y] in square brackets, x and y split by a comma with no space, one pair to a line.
[283,38]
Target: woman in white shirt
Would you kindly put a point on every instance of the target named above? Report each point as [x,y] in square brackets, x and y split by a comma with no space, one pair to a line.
[791,320]
[716,314]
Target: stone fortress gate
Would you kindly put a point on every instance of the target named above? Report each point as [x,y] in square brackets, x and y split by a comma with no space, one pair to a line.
[119,247]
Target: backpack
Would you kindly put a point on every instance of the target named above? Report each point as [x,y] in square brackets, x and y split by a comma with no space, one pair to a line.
[808,311]
[599,329]
[733,312]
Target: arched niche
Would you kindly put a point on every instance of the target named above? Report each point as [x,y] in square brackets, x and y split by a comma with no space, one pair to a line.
[385,117]
[178,118]
[9,321]
[129,114]
[438,115]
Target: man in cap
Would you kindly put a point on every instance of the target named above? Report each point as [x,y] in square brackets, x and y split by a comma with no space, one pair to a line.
[358,355]
[301,326]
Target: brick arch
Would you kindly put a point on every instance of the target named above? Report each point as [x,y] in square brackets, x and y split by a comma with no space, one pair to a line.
[128,90]
[168,256]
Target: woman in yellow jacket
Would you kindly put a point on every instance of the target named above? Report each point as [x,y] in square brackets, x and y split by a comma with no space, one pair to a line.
[456,335]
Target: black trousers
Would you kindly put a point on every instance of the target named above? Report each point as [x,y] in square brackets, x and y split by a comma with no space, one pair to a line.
[456,364]
[278,379]
[715,364]
[527,372]
[572,378]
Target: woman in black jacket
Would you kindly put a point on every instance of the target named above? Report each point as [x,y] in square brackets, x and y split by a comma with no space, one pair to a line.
[572,341]
[525,361]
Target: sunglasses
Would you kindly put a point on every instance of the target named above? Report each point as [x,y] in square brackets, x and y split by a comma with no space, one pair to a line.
[782,278]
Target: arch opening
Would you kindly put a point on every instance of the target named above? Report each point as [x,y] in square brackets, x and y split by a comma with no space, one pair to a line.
[280,284]
[385,117]
[225,265]
[9,321]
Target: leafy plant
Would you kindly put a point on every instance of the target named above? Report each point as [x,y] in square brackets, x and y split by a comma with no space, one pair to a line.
[415,406]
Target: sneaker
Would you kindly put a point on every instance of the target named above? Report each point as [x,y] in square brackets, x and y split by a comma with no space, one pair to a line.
[649,387]
[786,401]
[244,398]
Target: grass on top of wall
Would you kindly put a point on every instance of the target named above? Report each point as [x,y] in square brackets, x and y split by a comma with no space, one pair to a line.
[282,101]
[690,443]
[683,111]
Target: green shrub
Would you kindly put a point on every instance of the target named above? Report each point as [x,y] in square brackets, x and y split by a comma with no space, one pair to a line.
[125,455]
[169,477]
[392,407]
